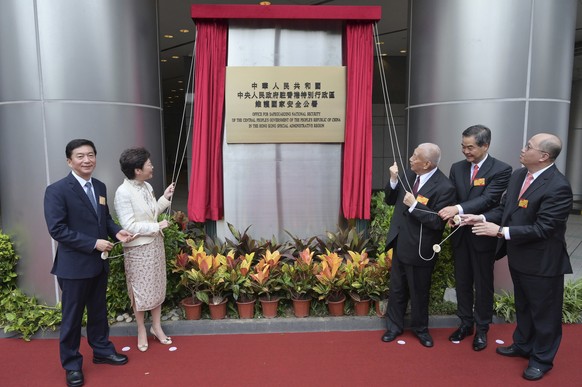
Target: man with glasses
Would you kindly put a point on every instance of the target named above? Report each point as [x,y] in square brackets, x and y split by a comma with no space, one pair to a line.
[531,226]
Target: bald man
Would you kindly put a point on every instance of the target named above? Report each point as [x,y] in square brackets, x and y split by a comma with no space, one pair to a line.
[414,229]
[531,226]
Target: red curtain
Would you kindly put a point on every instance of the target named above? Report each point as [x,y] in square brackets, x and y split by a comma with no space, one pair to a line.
[205,199]
[357,165]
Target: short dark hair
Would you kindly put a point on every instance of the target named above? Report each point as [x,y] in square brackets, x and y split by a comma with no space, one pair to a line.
[131,159]
[77,143]
[481,133]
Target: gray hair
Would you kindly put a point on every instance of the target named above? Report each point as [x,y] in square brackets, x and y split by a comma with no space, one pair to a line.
[431,152]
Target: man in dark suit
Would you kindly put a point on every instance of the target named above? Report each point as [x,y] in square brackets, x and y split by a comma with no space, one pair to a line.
[479,180]
[531,226]
[414,229]
[77,217]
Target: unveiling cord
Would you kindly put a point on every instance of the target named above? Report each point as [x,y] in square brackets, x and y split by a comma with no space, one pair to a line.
[396,152]
[176,170]
[105,254]
[387,107]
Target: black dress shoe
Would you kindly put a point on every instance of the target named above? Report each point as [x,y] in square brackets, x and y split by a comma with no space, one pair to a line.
[114,359]
[461,332]
[389,336]
[533,373]
[425,339]
[75,378]
[511,351]
[480,341]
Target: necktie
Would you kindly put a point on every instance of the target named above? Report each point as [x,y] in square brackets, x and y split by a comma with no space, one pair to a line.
[415,186]
[528,180]
[475,170]
[90,194]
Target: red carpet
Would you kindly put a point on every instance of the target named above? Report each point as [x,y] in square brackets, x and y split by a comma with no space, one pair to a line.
[295,359]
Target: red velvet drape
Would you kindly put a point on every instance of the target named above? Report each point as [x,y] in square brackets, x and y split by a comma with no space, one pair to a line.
[205,198]
[357,164]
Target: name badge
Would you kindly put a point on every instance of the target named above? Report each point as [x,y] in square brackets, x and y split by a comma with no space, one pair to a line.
[422,199]
[102,200]
[523,203]
[479,182]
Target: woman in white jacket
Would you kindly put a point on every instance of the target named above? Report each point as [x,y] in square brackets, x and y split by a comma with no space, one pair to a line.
[145,260]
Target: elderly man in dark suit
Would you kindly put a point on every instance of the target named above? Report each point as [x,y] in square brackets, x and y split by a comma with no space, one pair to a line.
[531,226]
[479,180]
[77,217]
[414,229]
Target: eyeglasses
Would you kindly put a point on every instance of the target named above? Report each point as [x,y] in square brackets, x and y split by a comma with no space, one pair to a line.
[529,147]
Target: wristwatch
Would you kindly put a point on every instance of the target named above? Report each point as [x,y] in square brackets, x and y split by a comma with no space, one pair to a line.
[500,232]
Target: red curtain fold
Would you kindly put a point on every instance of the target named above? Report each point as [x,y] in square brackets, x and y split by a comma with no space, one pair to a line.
[205,198]
[357,163]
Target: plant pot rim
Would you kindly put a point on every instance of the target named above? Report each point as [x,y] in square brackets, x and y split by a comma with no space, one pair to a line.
[333,299]
[246,302]
[361,299]
[193,301]
[224,301]
[274,298]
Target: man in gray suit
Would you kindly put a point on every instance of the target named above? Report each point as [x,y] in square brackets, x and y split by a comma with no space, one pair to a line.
[531,226]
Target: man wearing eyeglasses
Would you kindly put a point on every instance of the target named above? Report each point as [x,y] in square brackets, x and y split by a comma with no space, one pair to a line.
[531,225]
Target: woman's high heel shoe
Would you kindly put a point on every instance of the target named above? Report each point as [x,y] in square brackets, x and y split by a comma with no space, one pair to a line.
[142,347]
[166,341]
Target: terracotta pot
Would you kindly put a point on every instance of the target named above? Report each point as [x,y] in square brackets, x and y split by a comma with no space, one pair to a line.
[301,307]
[246,309]
[269,307]
[381,307]
[336,308]
[218,311]
[362,308]
[192,309]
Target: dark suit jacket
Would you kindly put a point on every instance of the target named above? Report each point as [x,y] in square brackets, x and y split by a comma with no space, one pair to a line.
[491,182]
[73,223]
[405,225]
[537,229]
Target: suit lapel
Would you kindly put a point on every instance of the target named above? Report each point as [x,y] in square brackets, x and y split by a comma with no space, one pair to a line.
[80,191]
[466,175]
[429,186]
[539,182]
[512,201]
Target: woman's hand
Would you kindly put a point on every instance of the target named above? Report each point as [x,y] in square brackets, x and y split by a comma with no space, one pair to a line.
[169,192]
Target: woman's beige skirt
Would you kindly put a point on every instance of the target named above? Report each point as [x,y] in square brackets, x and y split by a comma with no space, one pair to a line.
[145,271]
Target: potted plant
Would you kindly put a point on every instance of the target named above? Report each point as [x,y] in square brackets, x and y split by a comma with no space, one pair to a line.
[207,273]
[331,278]
[240,284]
[266,278]
[192,305]
[380,281]
[359,281]
[298,279]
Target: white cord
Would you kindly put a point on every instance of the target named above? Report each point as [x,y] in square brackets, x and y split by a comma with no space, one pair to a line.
[176,171]
[105,254]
